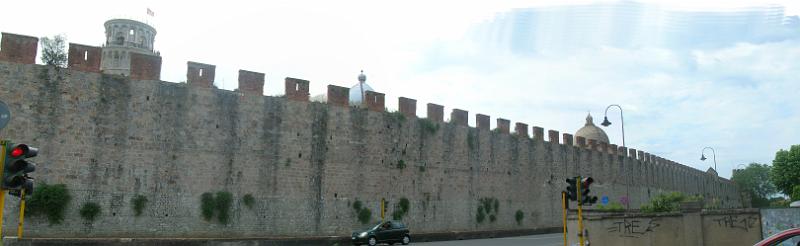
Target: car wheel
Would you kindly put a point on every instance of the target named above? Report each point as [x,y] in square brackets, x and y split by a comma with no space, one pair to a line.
[406,240]
[372,241]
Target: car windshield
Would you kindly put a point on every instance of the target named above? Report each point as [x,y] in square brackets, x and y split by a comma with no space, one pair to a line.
[372,226]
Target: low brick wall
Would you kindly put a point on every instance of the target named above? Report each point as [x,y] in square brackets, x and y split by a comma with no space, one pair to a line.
[718,227]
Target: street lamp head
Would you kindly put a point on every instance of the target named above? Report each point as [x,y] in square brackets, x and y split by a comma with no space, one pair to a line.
[606,123]
[702,157]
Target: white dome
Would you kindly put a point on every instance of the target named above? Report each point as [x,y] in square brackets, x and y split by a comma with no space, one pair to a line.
[355,92]
[590,131]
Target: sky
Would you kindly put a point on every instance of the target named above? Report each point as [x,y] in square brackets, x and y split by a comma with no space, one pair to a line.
[739,99]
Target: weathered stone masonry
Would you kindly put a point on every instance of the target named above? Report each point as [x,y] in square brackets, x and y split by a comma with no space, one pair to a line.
[110,138]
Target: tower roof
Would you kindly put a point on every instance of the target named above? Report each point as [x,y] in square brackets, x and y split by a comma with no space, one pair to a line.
[590,131]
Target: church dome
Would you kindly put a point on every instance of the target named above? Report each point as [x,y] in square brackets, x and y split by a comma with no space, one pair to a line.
[590,131]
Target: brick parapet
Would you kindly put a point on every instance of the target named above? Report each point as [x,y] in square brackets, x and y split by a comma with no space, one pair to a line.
[503,125]
[435,112]
[482,122]
[521,129]
[251,83]
[200,74]
[338,96]
[407,107]
[145,67]
[375,101]
[84,58]
[18,48]
[459,117]
[296,89]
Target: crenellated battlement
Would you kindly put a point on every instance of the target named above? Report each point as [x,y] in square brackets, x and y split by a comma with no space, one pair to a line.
[296,154]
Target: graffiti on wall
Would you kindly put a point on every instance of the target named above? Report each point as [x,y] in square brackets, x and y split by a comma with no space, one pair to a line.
[634,227]
[744,222]
[779,219]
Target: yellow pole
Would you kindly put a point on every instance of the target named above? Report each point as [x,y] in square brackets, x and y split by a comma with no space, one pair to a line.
[383,209]
[580,214]
[564,208]
[21,213]
[3,146]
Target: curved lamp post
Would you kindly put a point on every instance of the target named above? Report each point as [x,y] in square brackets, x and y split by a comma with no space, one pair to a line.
[607,123]
[713,155]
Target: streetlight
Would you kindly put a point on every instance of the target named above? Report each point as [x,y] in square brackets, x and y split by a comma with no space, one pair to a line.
[714,156]
[607,123]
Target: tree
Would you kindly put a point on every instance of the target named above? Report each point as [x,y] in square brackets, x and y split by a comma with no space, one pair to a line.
[755,180]
[53,51]
[786,169]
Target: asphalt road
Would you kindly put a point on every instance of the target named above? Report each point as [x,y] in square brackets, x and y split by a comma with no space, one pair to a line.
[555,239]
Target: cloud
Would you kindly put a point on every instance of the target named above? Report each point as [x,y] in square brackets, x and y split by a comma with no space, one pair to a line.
[740,100]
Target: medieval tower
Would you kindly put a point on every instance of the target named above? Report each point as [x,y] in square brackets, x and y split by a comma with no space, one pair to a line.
[124,37]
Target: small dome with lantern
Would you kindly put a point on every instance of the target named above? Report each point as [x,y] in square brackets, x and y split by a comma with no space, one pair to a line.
[590,131]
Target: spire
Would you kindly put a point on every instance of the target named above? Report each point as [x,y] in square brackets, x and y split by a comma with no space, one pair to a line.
[589,120]
[361,77]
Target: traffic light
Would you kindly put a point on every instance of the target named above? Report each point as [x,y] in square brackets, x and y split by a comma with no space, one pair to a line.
[572,189]
[586,199]
[16,169]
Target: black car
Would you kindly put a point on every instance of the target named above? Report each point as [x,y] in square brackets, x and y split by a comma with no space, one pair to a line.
[390,232]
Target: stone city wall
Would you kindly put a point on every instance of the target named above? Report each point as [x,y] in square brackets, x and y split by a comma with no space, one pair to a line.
[109,138]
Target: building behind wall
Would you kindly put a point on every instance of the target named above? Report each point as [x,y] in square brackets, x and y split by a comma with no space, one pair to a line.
[124,37]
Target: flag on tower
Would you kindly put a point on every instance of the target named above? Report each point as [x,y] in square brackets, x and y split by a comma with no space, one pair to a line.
[150,12]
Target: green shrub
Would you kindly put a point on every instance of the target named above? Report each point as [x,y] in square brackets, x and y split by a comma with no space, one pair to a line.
[481,216]
[364,215]
[428,126]
[421,168]
[49,200]
[207,205]
[89,211]
[248,201]
[223,206]
[357,205]
[397,116]
[665,202]
[404,204]
[137,203]
[611,207]
[488,206]
[471,141]
[401,209]
[519,216]
[401,164]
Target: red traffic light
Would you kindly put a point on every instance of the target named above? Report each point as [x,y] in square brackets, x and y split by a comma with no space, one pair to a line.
[23,150]
[586,182]
[17,152]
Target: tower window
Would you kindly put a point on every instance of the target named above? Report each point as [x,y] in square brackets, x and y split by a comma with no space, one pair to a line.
[201,73]
[131,32]
[120,40]
[86,55]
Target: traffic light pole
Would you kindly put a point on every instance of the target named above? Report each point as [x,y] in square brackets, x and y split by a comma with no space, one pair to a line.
[3,146]
[21,213]
[564,209]
[580,212]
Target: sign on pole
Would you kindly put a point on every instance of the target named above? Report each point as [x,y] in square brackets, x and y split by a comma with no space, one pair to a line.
[5,115]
